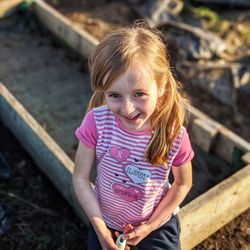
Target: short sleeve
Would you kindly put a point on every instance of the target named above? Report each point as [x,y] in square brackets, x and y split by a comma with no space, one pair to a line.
[185,153]
[87,132]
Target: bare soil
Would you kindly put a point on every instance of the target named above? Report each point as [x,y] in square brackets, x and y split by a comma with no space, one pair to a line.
[39,216]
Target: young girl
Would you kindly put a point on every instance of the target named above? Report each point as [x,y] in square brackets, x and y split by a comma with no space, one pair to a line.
[134,129]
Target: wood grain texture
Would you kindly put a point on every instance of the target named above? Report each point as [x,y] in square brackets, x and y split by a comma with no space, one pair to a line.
[46,153]
[64,29]
[209,212]
[8,5]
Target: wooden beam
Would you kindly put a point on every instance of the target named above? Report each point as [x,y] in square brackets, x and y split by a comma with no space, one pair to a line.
[225,142]
[246,158]
[48,156]
[204,133]
[7,5]
[209,212]
[63,28]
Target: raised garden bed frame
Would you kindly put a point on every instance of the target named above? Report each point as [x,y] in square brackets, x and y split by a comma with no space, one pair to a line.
[199,218]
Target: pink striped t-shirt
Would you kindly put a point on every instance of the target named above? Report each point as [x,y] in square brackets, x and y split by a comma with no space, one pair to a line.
[128,188]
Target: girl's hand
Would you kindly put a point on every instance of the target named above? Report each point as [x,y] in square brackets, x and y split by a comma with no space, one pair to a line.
[126,229]
[137,234]
[107,241]
[117,234]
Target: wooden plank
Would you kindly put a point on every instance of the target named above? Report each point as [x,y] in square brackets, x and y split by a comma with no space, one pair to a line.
[223,140]
[227,142]
[196,113]
[76,38]
[246,158]
[8,5]
[203,133]
[49,157]
[209,212]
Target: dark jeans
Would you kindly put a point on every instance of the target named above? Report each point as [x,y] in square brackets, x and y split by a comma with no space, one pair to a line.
[164,238]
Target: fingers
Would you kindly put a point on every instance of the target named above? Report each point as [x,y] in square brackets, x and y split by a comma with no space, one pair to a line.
[111,244]
[133,242]
[127,228]
[117,234]
[131,235]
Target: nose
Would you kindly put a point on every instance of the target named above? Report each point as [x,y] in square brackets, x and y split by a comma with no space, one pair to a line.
[128,107]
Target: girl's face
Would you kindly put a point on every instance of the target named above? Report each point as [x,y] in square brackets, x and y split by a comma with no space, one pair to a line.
[133,96]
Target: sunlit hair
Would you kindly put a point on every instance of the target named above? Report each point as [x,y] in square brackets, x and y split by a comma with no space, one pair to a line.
[114,55]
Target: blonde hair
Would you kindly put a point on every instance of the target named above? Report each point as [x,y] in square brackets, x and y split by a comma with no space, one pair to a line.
[114,55]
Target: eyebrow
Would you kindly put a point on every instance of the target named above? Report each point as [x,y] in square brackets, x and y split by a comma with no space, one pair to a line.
[110,92]
[135,90]
[143,90]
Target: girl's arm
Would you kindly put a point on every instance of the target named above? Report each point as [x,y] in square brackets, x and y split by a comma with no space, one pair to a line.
[173,198]
[84,160]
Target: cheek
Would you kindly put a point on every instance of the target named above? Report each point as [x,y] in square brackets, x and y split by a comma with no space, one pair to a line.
[152,104]
[112,105]
[148,107]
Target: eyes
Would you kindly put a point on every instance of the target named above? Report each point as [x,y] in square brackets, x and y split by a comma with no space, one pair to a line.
[139,94]
[115,95]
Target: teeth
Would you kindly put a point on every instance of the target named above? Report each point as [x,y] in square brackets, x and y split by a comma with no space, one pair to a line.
[131,117]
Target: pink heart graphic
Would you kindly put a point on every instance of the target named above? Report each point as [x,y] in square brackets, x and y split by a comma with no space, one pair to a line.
[119,154]
[127,193]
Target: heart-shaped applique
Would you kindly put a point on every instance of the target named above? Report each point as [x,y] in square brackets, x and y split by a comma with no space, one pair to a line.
[119,154]
[137,175]
[127,193]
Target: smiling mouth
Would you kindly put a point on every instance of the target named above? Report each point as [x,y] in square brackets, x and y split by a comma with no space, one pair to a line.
[132,118]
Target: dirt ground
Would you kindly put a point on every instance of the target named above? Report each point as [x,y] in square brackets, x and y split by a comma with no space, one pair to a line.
[43,219]
[38,215]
